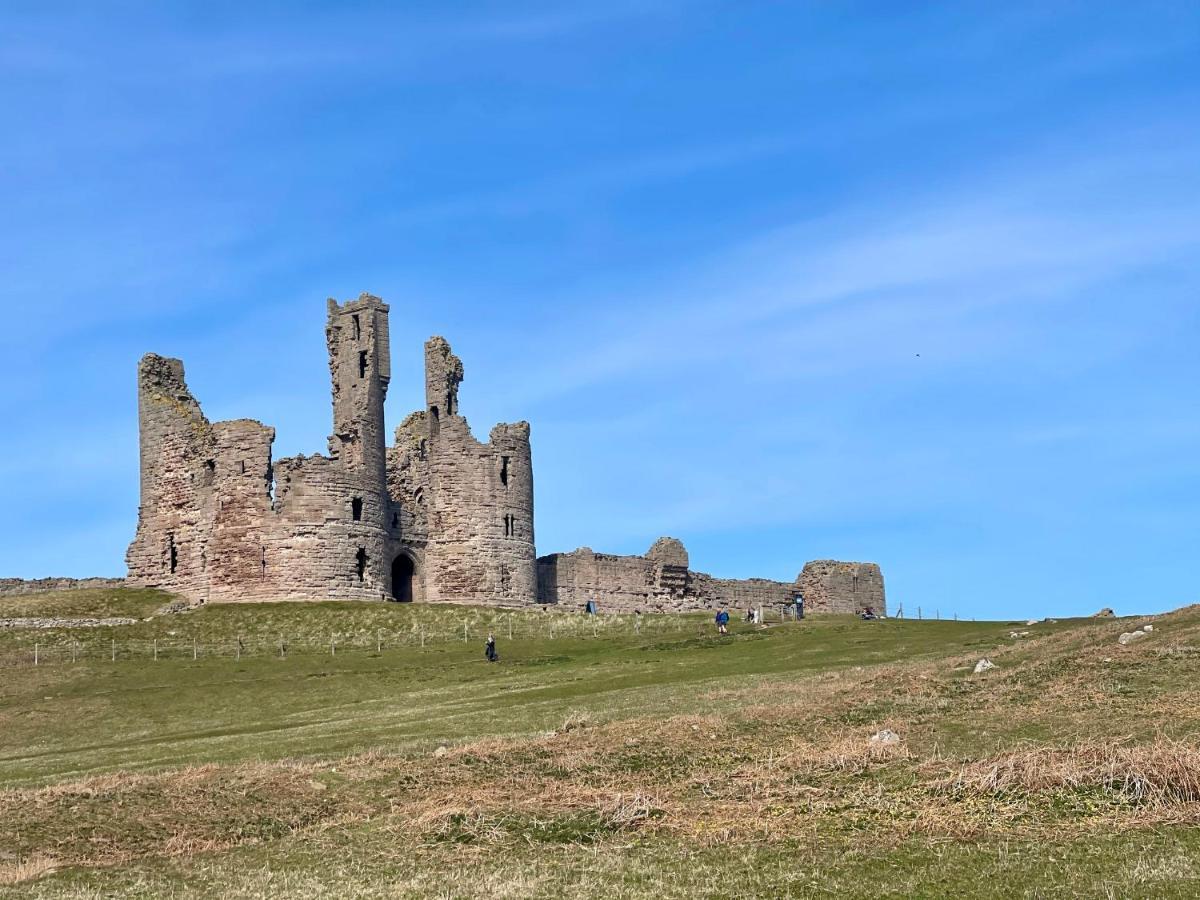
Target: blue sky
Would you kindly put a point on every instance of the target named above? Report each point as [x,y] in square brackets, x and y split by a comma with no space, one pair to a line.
[914,283]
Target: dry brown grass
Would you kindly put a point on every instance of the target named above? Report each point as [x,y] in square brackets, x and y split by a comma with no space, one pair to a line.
[18,871]
[1164,773]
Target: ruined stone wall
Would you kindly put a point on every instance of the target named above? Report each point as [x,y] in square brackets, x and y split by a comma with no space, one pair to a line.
[10,587]
[661,581]
[465,507]
[178,471]
[832,586]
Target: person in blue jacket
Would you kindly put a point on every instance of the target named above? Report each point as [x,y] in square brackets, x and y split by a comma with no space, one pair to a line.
[722,621]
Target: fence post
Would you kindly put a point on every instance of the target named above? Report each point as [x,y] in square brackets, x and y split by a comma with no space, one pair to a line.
[918,612]
[422,632]
[35,653]
[510,627]
[332,646]
[282,648]
[194,653]
[114,649]
[378,644]
[74,647]
[464,632]
[156,649]
[237,651]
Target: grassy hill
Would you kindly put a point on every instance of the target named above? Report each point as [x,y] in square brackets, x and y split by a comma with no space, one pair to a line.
[379,755]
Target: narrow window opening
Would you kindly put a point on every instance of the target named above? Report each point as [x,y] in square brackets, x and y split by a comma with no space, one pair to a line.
[361,562]
[173,553]
[357,327]
[362,364]
[210,470]
[419,496]
[264,563]
[242,466]
[203,559]
[395,521]
[433,411]
[356,509]
[504,470]
[510,526]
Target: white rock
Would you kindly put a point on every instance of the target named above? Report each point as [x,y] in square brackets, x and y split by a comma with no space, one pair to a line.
[983,665]
[1032,622]
[887,736]
[1147,628]
[1130,636]
[440,751]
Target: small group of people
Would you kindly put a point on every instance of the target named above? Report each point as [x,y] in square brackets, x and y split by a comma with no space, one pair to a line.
[754,614]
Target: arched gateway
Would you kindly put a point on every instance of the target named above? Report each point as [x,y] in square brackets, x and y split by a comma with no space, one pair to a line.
[402,578]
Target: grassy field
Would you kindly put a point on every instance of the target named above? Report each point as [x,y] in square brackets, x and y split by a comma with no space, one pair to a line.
[379,755]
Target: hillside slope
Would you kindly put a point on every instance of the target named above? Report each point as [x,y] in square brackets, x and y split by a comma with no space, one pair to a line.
[596,759]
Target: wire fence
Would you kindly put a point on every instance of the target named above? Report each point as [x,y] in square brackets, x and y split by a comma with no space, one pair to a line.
[59,645]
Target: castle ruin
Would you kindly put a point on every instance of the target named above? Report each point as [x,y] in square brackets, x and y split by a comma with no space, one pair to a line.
[436,516]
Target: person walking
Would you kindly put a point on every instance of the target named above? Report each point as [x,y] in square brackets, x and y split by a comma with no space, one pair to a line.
[489,649]
[722,621]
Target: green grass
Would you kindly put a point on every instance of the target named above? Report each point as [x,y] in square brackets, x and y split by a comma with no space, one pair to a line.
[593,760]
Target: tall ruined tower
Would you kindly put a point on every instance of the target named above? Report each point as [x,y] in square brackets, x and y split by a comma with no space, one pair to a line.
[334,511]
[466,508]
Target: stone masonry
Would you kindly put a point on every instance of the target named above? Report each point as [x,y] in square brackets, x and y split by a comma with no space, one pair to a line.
[661,581]
[435,516]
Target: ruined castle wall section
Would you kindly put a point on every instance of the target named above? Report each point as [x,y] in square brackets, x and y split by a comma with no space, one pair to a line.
[465,508]
[740,593]
[616,583]
[178,472]
[661,581]
[320,543]
[242,513]
[832,586]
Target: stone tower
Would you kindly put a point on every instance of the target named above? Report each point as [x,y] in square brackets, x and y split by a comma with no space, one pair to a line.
[465,509]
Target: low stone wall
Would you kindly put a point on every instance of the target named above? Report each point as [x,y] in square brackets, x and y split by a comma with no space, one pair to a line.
[37,622]
[14,586]
[661,581]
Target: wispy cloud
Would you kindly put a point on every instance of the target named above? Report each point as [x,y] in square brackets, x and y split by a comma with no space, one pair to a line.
[891,276]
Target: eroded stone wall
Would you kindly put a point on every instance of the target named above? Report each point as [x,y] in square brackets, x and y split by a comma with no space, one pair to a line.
[662,581]
[829,585]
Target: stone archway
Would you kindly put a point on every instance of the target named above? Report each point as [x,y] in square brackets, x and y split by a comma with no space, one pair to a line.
[403,572]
